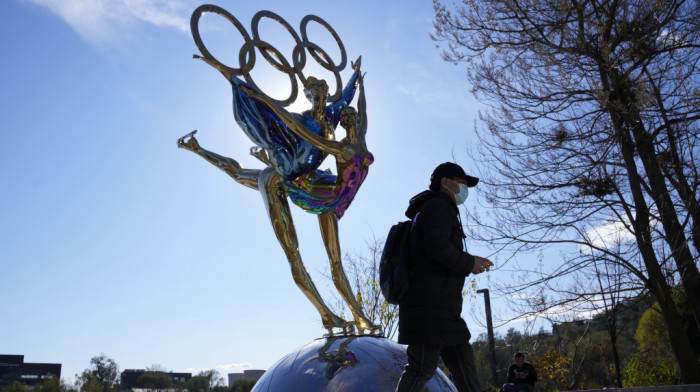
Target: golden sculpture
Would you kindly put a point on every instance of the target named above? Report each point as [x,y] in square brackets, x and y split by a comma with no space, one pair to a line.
[292,147]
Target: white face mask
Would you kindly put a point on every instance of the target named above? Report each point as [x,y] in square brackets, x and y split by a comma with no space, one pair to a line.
[463,193]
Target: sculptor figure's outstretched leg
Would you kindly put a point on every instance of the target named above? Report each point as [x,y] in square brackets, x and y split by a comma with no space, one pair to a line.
[247,177]
[275,197]
[329,232]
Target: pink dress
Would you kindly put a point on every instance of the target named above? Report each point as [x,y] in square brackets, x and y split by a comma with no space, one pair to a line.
[322,192]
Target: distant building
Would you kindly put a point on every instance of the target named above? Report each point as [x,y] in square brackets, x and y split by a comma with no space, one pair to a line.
[129,377]
[13,368]
[252,374]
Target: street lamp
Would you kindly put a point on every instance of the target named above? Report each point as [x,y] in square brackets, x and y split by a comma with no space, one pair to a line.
[492,344]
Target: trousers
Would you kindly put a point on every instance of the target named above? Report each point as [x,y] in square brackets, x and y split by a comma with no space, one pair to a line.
[518,387]
[423,363]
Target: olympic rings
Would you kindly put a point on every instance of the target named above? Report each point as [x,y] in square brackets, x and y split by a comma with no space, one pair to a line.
[256,36]
[283,66]
[194,27]
[246,55]
[344,57]
[313,49]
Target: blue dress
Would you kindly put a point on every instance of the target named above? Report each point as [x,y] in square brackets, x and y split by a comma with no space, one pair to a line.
[288,153]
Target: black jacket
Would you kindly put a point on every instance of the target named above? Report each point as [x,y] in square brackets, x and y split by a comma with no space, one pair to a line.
[430,312]
[528,369]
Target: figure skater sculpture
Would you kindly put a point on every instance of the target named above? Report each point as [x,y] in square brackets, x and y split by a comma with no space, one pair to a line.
[292,146]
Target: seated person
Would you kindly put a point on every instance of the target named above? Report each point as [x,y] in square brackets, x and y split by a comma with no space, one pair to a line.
[521,376]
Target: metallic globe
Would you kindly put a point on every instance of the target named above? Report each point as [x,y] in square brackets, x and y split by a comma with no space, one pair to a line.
[343,364]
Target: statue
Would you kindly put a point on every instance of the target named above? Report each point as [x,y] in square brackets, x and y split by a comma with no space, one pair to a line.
[292,146]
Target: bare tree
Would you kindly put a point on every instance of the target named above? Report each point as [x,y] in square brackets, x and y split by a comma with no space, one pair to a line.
[363,273]
[591,130]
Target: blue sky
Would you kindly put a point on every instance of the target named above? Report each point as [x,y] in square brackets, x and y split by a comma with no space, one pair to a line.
[114,241]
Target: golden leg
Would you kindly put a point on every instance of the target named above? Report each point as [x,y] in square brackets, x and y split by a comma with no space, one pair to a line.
[275,198]
[329,232]
[247,177]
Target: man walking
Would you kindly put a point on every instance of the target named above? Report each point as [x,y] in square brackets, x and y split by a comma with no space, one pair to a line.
[429,313]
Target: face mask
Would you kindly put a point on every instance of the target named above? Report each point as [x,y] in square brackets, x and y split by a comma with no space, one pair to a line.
[461,197]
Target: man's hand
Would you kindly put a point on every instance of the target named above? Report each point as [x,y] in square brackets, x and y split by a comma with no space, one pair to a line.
[481,264]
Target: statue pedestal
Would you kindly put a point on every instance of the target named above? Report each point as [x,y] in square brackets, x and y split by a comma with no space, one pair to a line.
[343,363]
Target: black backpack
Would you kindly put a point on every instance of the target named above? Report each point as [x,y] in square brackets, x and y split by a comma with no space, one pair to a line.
[394,271]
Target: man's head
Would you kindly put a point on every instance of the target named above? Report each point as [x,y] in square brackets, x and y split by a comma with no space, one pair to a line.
[447,178]
[519,359]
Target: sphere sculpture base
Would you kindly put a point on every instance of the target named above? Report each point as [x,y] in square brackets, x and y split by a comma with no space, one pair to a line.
[343,363]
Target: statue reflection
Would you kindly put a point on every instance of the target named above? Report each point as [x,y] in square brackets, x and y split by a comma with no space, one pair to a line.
[337,360]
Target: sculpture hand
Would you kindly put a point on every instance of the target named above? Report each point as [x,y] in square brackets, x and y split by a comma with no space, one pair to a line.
[261,154]
[356,64]
[192,144]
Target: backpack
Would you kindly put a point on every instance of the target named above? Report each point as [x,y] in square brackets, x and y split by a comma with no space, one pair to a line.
[394,270]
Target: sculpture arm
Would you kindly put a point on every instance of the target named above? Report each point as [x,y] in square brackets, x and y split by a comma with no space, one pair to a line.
[227,74]
[361,108]
[333,110]
[327,146]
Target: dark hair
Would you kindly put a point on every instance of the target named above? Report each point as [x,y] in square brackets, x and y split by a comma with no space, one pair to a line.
[519,355]
[435,184]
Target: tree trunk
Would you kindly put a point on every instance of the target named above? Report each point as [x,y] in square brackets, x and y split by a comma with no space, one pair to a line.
[675,169]
[628,115]
[612,330]
[687,362]
[675,236]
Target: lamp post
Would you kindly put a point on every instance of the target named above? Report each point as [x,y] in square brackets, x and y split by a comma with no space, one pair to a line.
[492,344]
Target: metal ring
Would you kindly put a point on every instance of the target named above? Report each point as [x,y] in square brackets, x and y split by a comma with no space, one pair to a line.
[343,55]
[246,66]
[313,49]
[246,55]
[264,50]
[276,59]
[284,65]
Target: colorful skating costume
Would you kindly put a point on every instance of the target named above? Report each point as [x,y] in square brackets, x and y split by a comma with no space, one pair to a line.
[289,154]
[322,192]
